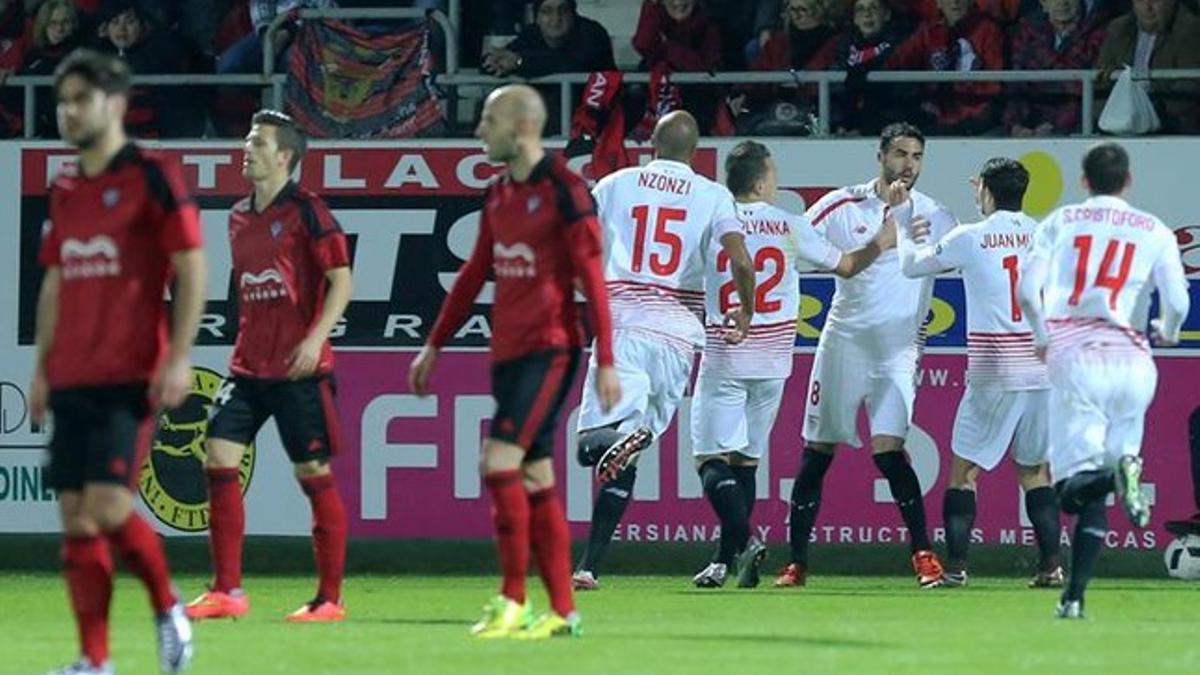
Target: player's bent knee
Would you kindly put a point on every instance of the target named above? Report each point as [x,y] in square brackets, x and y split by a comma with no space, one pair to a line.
[538,475]
[823,448]
[738,459]
[882,444]
[222,454]
[963,474]
[317,467]
[500,456]
[108,506]
[1033,477]
[701,460]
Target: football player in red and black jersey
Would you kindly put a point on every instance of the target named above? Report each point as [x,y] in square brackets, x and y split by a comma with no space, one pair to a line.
[121,224]
[538,236]
[291,267]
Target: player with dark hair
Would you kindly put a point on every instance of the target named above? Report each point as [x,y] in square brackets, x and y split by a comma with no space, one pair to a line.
[538,236]
[291,264]
[1083,289]
[739,388]
[1007,398]
[121,226]
[869,350]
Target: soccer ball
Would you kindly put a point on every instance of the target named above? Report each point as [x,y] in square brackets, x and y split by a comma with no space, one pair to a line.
[1183,557]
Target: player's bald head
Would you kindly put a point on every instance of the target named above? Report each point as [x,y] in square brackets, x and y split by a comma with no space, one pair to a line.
[519,103]
[675,136]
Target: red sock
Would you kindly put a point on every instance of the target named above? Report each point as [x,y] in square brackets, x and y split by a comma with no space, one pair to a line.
[89,569]
[552,548]
[510,519]
[142,552]
[329,534]
[226,528]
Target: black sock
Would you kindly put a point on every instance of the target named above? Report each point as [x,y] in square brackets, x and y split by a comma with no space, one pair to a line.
[606,514]
[906,490]
[723,492]
[1090,529]
[747,478]
[806,502]
[593,443]
[1194,436]
[1083,488]
[1041,505]
[958,513]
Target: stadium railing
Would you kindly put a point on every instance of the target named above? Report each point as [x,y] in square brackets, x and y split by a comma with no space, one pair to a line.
[273,83]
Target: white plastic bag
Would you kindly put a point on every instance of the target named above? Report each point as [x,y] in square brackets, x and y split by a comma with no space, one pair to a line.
[1129,111]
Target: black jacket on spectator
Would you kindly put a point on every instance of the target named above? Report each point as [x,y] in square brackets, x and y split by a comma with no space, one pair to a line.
[43,62]
[586,49]
[868,107]
[160,112]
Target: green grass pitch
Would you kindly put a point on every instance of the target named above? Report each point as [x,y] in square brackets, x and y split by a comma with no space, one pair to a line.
[641,624]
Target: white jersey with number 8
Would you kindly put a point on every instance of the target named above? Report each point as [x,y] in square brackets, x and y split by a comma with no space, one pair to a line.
[658,221]
[777,242]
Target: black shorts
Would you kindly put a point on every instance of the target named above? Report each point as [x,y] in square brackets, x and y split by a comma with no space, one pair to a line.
[304,413]
[101,435]
[529,392]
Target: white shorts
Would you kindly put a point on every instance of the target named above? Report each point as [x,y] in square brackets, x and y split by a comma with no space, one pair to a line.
[654,376]
[1099,402]
[844,376]
[989,420]
[734,414]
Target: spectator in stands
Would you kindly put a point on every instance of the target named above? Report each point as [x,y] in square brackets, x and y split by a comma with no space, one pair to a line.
[154,112]
[1061,39]
[56,31]
[864,46]
[560,41]
[1159,34]
[12,55]
[677,34]
[246,55]
[805,42]
[962,38]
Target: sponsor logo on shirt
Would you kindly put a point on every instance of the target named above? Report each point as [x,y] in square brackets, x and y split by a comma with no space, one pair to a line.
[266,285]
[533,204]
[515,261]
[276,229]
[95,257]
[172,481]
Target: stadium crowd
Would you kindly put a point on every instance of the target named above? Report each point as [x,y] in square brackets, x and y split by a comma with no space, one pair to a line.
[521,39]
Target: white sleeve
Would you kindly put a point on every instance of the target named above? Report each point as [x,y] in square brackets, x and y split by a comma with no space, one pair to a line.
[812,247]
[840,225]
[941,223]
[725,216]
[1034,272]
[922,260]
[1172,285]
[602,193]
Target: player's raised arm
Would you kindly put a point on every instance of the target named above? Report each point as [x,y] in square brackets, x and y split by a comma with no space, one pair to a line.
[1173,298]
[471,277]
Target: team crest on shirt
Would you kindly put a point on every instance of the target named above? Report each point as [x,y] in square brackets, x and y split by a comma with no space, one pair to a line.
[172,481]
[514,260]
[110,197]
[532,204]
[276,229]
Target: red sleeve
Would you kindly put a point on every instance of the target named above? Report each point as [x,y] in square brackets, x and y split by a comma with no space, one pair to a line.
[913,53]
[647,40]
[171,207]
[326,240]
[774,54]
[50,253]
[583,241]
[466,288]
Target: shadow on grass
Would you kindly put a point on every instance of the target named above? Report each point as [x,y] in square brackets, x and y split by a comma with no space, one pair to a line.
[765,639]
[391,621]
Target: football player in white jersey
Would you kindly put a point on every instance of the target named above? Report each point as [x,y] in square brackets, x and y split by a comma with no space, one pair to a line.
[740,386]
[1006,401]
[868,353]
[658,222]
[1085,291]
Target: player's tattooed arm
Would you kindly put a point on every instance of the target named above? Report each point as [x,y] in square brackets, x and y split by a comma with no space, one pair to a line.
[742,268]
[173,380]
[47,317]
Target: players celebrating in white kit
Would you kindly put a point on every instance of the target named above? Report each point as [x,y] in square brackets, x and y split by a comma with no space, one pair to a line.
[868,352]
[1007,396]
[658,221]
[1085,291]
[740,386]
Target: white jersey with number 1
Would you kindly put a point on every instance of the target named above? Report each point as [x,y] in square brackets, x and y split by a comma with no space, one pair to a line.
[658,220]
[777,242]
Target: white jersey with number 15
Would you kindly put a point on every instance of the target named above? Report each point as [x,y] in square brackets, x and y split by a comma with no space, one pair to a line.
[658,220]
